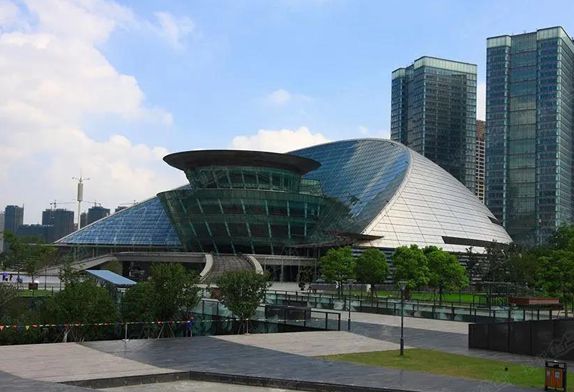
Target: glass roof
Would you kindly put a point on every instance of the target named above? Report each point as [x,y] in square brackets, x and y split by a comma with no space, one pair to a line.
[145,224]
[362,174]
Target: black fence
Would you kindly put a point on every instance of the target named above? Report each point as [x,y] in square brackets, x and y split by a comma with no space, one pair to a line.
[544,338]
[411,308]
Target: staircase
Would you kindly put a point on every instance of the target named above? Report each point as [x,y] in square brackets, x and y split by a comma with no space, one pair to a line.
[227,263]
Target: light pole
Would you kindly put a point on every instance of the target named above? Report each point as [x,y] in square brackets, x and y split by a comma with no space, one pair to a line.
[350,282]
[403,285]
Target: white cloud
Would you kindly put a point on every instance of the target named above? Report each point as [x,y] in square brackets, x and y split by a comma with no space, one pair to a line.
[279,97]
[481,101]
[375,133]
[53,78]
[174,29]
[281,140]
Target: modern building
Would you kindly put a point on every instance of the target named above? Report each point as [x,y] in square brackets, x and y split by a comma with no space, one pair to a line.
[363,193]
[83,219]
[433,112]
[35,232]
[96,213]
[529,132]
[61,221]
[13,218]
[480,160]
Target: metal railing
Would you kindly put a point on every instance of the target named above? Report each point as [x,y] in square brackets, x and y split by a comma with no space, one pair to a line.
[412,308]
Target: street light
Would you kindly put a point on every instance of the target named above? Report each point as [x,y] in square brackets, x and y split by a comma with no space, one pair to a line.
[403,285]
[350,282]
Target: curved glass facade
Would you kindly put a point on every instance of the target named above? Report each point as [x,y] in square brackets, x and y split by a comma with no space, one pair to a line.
[361,174]
[365,192]
[145,224]
[247,209]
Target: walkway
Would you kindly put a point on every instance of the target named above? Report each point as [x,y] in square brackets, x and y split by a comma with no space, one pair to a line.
[67,362]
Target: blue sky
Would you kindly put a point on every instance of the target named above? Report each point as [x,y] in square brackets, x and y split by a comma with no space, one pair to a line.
[337,54]
[106,88]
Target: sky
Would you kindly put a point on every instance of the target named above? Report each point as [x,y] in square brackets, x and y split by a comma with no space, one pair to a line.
[104,89]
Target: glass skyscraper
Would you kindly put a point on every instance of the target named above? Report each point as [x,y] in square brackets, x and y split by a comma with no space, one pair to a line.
[530,86]
[433,111]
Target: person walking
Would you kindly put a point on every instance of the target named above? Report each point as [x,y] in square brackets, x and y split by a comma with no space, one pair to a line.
[189,326]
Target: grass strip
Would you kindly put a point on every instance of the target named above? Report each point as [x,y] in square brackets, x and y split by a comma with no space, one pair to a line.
[455,365]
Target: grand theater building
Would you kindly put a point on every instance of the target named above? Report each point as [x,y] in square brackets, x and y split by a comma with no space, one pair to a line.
[251,209]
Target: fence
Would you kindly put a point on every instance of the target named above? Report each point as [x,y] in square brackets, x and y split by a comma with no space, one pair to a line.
[544,338]
[210,318]
[412,308]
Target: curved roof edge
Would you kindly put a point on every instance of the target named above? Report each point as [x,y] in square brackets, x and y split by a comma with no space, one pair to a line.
[192,159]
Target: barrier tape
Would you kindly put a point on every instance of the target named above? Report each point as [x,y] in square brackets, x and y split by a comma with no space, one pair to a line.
[21,327]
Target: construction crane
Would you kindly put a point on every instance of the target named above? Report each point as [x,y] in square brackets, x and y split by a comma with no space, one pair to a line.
[55,203]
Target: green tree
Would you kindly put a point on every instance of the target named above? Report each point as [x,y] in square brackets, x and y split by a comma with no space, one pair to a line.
[338,265]
[445,271]
[411,266]
[242,292]
[138,303]
[372,268]
[84,303]
[557,275]
[31,256]
[170,293]
[8,292]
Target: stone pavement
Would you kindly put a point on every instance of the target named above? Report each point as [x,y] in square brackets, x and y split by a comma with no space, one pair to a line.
[312,343]
[288,357]
[193,386]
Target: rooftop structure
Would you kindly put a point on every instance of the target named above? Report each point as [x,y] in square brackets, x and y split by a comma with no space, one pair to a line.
[364,192]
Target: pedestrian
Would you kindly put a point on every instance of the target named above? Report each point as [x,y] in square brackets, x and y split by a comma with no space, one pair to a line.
[4,276]
[189,326]
[10,277]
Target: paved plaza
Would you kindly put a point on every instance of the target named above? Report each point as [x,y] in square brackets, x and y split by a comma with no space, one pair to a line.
[284,359]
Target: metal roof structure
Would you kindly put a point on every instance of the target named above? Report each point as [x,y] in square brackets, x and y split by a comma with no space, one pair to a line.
[194,159]
[111,277]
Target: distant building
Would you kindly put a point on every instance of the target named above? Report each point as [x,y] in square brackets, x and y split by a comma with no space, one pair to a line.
[96,213]
[13,218]
[83,219]
[35,232]
[480,159]
[61,220]
[119,208]
[433,112]
[530,132]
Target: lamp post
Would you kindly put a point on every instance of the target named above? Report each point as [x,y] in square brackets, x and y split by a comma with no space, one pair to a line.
[350,282]
[403,285]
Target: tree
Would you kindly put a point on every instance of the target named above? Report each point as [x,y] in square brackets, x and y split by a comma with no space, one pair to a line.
[557,275]
[411,266]
[242,292]
[372,268]
[8,292]
[175,291]
[31,256]
[445,271]
[338,265]
[138,303]
[81,302]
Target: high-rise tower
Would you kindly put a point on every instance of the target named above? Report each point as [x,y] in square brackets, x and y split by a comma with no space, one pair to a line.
[480,160]
[433,111]
[529,129]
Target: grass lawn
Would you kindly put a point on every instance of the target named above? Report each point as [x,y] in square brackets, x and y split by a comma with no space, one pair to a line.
[35,293]
[446,364]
